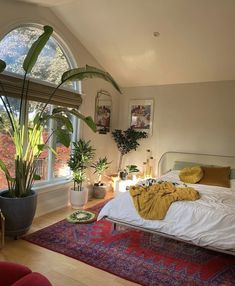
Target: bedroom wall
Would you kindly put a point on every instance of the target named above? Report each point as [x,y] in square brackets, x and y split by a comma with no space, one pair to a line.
[197,117]
[15,13]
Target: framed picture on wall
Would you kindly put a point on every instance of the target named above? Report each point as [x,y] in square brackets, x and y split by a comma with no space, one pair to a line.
[103,110]
[141,115]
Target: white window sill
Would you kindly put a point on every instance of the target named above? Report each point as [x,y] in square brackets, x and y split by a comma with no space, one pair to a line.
[52,186]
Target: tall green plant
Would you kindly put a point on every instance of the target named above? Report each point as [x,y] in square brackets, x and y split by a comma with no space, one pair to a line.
[82,154]
[28,141]
[126,141]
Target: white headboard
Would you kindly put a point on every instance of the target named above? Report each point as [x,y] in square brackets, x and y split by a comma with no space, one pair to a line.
[168,159]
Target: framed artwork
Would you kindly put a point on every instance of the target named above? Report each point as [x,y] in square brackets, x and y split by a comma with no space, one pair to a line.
[103,111]
[141,115]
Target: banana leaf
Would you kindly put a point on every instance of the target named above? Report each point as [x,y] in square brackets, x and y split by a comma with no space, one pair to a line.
[36,49]
[87,119]
[2,66]
[88,72]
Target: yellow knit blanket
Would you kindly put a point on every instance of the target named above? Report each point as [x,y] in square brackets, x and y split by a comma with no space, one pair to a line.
[154,201]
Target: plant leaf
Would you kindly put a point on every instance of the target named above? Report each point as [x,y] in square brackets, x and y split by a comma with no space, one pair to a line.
[88,120]
[63,137]
[2,66]
[52,150]
[88,72]
[36,49]
[5,171]
[64,119]
[41,147]
[45,146]
[36,177]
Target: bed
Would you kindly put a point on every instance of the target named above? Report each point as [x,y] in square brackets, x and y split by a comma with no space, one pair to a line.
[208,222]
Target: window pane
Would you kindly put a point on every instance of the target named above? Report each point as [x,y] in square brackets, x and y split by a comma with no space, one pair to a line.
[63,153]
[61,167]
[51,62]
[42,161]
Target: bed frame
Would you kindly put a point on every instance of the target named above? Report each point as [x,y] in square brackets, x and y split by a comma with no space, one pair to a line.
[116,223]
[166,164]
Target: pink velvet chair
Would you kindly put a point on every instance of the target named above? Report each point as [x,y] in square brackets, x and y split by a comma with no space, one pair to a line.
[13,274]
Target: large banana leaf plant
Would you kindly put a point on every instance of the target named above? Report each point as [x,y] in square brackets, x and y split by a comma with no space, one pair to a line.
[28,140]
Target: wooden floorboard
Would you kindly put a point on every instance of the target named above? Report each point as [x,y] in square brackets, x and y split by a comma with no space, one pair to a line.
[61,270]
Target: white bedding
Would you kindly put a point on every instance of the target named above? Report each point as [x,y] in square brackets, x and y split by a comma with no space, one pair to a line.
[209,221]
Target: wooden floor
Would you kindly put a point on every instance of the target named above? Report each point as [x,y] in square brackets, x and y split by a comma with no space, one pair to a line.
[59,269]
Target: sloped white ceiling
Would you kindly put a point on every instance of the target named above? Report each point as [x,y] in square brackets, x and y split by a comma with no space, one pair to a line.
[196,43]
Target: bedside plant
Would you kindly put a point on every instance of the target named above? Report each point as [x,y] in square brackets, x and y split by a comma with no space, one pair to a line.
[128,170]
[99,189]
[132,169]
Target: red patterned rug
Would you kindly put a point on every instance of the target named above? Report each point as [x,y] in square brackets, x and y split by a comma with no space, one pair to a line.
[140,257]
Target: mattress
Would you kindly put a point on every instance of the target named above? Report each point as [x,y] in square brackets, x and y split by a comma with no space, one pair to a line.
[207,222]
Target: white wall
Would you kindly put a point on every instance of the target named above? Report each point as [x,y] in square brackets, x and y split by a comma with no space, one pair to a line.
[15,13]
[197,117]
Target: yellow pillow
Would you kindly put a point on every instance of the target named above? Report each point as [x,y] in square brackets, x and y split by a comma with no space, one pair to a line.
[216,176]
[191,175]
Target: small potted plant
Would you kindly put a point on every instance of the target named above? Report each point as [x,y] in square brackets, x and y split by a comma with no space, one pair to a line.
[82,154]
[131,169]
[99,189]
[127,171]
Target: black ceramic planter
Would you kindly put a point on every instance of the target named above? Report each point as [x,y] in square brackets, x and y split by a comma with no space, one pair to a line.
[18,212]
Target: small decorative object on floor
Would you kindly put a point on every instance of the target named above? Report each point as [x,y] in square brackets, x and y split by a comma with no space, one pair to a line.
[81,216]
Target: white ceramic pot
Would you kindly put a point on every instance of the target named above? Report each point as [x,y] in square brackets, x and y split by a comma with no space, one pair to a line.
[78,198]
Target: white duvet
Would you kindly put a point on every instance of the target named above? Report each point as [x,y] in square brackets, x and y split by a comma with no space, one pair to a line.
[209,221]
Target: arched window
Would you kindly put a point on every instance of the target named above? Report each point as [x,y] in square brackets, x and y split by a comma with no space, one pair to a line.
[51,64]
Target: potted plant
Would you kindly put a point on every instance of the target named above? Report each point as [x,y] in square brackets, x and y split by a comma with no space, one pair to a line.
[126,141]
[18,202]
[82,154]
[99,189]
[127,171]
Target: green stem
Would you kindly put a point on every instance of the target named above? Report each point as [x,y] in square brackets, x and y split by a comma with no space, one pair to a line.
[9,112]
[22,97]
[49,99]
